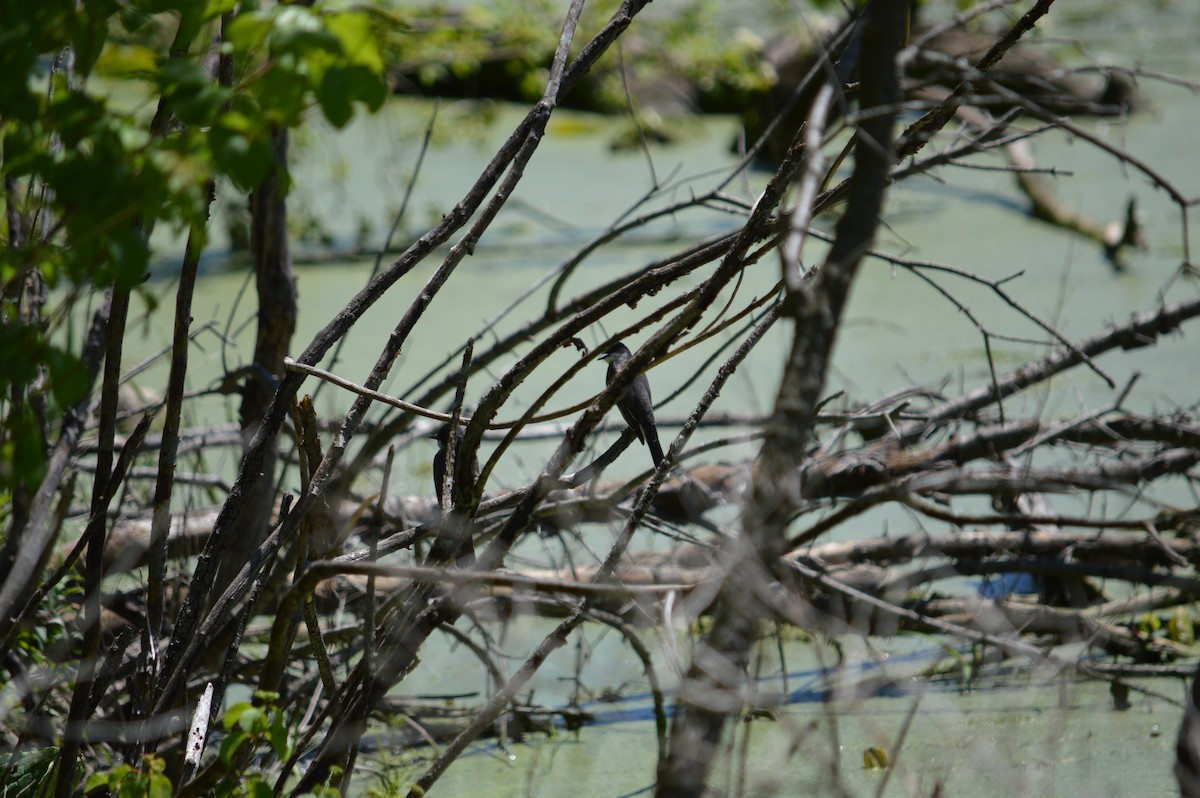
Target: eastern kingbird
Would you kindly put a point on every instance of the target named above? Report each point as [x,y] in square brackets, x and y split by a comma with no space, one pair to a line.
[465,557]
[635,405]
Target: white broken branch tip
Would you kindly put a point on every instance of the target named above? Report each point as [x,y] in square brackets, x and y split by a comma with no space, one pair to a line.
[199,728]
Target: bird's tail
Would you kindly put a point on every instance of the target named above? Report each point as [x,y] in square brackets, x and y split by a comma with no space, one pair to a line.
[656,452]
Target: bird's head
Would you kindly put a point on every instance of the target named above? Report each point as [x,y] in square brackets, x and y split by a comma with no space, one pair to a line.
[441,434]
[616,353]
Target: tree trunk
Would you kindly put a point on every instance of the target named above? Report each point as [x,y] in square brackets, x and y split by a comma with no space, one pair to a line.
[277,299]
[716,685]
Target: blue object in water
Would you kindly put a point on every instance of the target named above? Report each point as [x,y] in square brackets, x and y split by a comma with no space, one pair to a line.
[1005,585]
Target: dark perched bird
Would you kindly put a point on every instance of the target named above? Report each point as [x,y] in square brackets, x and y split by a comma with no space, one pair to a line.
[442,436]
[635,405]
[465,556]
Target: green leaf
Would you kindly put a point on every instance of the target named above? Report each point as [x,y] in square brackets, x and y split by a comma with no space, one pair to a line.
[1181,628]
[129,255]
[367,87]
[875,758]
[20,347]
[230,744]
[91,32]
[109,779]
[245,159]
[277,735]
[234,713]
[283,93]
[252,720]
[125,60]
[195,97]
[68,377]
[23,455]
[248,31]
[24,146]
[341,86]
[335,98]
[374,93]
[75,115]
[257,788]
[159,787]
[31,775]
[132,19]
[359,44]
[132,787]
[95,780]
[299,31]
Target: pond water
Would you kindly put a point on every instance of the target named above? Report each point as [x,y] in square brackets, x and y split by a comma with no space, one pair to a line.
[1008,733]
[1027,733]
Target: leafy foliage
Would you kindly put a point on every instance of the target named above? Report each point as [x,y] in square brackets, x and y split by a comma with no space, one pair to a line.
[29,774]
[126,135]
[125,781]
[250,722]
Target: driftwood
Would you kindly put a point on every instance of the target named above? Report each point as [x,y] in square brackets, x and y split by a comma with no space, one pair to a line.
[689,494]
[428,723]
[1117,555]
[941,58]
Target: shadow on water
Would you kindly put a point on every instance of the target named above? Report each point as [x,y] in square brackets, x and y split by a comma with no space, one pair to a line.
[809,686]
